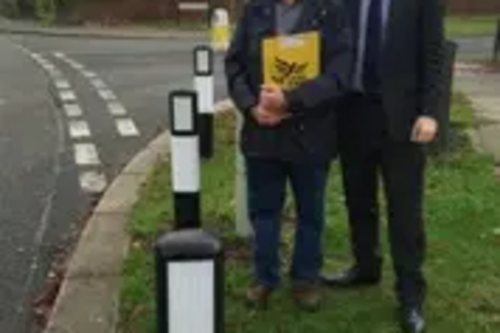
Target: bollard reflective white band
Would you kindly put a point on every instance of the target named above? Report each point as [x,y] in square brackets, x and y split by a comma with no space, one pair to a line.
[191,283]
[204,85]
[203,60]
[185,164]
[184,142]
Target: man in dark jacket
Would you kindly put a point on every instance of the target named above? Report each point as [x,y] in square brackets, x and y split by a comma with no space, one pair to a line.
[383,125]
[288,135]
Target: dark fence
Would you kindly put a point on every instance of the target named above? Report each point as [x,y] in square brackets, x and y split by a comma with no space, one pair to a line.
[473,6]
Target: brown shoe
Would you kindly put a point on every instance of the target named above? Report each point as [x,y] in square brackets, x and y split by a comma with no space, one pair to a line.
[258,295]
[307,297]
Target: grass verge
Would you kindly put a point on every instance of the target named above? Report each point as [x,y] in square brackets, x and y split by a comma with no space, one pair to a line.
[463,258]
[470,26]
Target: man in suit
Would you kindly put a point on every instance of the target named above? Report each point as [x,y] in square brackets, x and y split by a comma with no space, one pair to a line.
[383,125]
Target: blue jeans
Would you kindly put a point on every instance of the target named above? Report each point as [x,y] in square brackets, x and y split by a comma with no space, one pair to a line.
[267,180]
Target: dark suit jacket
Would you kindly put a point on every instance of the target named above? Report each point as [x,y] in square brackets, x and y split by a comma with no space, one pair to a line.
[412,61]
[310,133]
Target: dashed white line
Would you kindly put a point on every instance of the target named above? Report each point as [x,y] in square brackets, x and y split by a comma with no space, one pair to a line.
[78,129]
[126,127]
[62,84]
[89,75]
[59,55]
[73,110]
[86,154]
[107,95]
[98,84]
[67,96]
[116,109]
[93,181]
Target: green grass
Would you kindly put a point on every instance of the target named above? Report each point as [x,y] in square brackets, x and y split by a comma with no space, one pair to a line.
[468,26]
[463,264]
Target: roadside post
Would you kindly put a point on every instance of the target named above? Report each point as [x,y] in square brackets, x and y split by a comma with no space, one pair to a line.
[203,59]
[243,226]
[220,29]
[185,158]
[444,106]
[496,47]
[189,282]
[189,262]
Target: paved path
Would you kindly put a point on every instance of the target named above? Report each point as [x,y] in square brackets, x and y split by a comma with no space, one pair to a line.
[73,112]
[483,89]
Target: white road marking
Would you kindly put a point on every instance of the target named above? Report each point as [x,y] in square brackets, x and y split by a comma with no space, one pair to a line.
[89,75]
[107,95]
[116,109]
[98,84]
[126,127]
[77,66]
[49,67]
[86,154]
[67,96]
[93,181]
[59,55]
[73,110]
[62,84]
[78,129]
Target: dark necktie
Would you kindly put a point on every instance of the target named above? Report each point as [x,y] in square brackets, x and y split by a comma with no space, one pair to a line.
[371,61]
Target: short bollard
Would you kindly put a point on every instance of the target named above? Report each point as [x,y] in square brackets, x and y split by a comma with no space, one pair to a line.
[496,47]
[185,158]
[204,86]
[220,29]
[189,282]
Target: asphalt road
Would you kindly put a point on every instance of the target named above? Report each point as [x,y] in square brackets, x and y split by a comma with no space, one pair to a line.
[54,159]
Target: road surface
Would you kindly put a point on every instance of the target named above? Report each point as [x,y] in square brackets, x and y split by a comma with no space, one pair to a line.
[73,112]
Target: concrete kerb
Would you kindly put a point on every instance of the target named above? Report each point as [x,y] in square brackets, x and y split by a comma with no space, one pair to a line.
[88,299]
[103,33]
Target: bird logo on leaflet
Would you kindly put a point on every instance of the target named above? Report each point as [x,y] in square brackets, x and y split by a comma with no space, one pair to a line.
[289,74]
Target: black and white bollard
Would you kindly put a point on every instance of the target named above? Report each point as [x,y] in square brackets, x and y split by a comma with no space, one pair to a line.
[185,158]
[203,58]
[189,282]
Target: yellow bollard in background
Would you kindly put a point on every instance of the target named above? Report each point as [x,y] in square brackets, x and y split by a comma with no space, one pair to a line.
[220,29]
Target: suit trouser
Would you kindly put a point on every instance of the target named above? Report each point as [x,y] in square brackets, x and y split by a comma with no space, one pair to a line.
[367,151]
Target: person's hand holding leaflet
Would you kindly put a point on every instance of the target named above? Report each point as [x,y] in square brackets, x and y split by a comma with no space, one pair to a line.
[271,109]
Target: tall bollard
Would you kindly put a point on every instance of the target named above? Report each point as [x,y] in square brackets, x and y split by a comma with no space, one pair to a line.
[220,30]
[203,59]
[243,226]
[496,47]
[183,120]
[189,282]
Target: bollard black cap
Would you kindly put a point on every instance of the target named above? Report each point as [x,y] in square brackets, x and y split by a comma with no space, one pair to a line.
[188,244]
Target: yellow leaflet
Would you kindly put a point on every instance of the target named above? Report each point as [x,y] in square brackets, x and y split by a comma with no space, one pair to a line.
[290,60]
